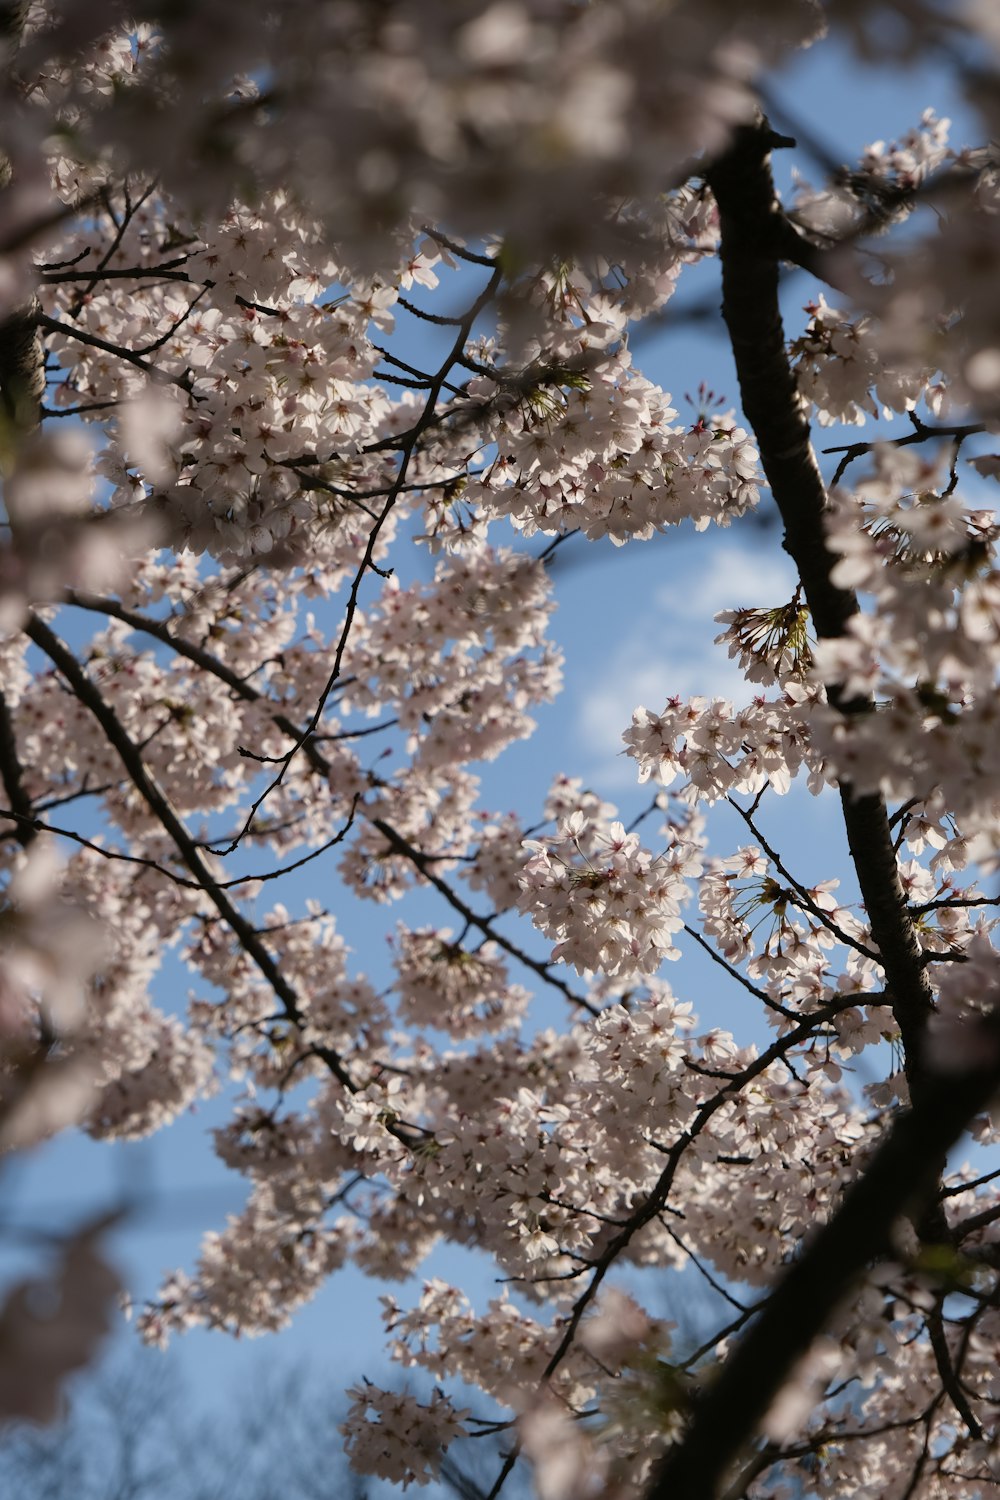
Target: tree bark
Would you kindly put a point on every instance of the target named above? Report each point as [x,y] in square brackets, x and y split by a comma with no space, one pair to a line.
[901,1178]
[752,235]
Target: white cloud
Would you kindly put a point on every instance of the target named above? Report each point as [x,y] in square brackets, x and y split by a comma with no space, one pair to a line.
[732,577]
[670,650]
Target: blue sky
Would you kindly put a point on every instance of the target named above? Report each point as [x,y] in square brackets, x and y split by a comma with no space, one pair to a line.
[636,624]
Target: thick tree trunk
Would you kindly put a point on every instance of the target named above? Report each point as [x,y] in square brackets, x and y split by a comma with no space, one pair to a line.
[752,235]
[901,1179]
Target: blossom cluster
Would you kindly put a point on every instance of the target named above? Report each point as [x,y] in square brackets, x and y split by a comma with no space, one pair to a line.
[443,985]
[719,751]
[611,906]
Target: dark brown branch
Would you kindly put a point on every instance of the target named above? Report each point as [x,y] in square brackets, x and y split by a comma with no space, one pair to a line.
[922,433]
[958,1188]
[247,936]
[956,901]
[462,251]
[75,411]
[981,1220]
[735,973]
[657,1200]
[949,1378]
[116,239]
[167,271]
[900,1179]
[12,776]
[439,319]
[67,330]
[160,630]
[408,445]
[35,825]
[805,900]
[825,264]
[424,862]
[744,190]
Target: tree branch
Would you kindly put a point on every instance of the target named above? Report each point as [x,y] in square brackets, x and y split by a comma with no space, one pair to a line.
[12,776]
[160,630]
[900,1179]
[66,663]
[422,862]
[744,190]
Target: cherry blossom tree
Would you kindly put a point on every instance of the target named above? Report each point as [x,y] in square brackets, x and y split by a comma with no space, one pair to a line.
[216,668]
